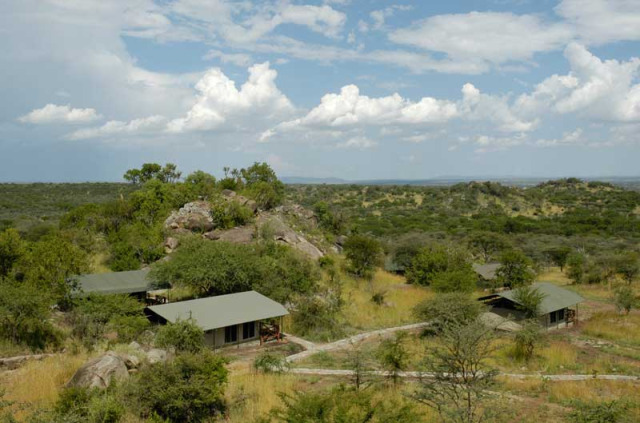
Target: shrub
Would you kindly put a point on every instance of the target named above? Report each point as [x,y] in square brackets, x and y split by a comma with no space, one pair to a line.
[183,335]
[188,389]
[229,214]
[598,412]
[363,255]
[316,317]
[268,362]
[625,299]
[461,280]
[526,340]
[448,310]
[528,300]
[393,355]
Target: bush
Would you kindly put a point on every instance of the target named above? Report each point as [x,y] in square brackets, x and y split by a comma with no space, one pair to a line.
[599,412]
[363,255]
[448,310]
[229,214]
[462,280]
[188,389]
[183,335]
[625,299]
[268,362]
[526,340]
[316,317]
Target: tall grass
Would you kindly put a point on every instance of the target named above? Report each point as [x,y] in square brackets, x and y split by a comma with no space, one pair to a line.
[614,327]
[362,313]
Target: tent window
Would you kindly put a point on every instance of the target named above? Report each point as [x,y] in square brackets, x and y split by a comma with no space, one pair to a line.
[553,317]
[561,315]
[230,334]
[248,330]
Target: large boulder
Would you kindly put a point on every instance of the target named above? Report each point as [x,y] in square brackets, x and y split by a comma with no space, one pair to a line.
[100,372]
[195,216]
[239,235]
[284,234]
[156,355]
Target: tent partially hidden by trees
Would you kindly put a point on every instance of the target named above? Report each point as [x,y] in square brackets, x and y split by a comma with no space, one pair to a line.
[558,306]
[133,282]
[226,319]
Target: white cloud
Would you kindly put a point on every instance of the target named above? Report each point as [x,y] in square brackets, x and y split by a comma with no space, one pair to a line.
[151,124]
[485,143]
[606,90]
[379,17]
[602,21]
[358,142]
[476,106]
[53,113]
[219,101]
[487,37]
[350,108]
[237,59]
[568,138]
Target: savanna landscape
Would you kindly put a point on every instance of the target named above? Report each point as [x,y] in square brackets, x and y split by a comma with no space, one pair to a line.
[381,284]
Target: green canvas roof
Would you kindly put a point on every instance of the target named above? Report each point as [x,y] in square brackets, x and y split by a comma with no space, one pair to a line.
[555,298]
[223,310]
[487,271]
[115,282]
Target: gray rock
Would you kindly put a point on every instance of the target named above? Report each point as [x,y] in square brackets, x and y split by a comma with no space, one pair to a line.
[156,355]
[131,361]
[228,193]
[135,346]
[170,244]
[100,372]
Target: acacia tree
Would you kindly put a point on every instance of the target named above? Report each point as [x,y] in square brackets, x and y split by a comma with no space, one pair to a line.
[393,356]
[628,266]
[363,254]
[488,243]
[515,269]
[457,375]
[528,300]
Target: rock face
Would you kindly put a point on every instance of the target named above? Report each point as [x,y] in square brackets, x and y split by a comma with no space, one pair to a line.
[296,210]
[156,355]
[284,234]
[100,372]
[194,216]
[239,235]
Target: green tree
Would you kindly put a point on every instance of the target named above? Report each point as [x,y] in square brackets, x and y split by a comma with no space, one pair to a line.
[625,299]
[25,311]
[487,243]
[526,340]
[363,254]
[460,375]
[11,250]
[435,259]
[528,300]
[628,266]
[169,173]
[448,310]
[183,335]
[576,267]
[460,280]
[393,356]
[189,389]
[515,269]
[50,265]
[559,256]
[201,184]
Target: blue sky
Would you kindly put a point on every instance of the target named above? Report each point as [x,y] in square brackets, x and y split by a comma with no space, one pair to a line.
[335,88]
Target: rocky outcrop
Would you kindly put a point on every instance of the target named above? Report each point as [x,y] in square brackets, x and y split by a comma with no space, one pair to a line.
[156,355]
[194,216]
[239,235]
[12,363]
[100,372]
[308,217]
[275,226]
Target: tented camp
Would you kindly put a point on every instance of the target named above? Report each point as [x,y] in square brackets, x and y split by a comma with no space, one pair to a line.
[132,282]
[559,306]
[227,319]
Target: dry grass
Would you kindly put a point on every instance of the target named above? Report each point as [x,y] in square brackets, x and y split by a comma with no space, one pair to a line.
[38,383]
[553,275]
[400,299]
[593,391]
[614,327]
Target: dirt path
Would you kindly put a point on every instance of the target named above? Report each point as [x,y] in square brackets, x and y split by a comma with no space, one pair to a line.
[312,348]
[419,375]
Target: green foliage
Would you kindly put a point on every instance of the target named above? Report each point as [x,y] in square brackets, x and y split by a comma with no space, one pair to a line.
[448,310]
[94,315]
[201,184]
[526,340]
[215,268]
[188,389]
[50,262]
[25,311]
[459,280]
[628,266]
[11,250]
[599,412]
[134,244]
[576,267]
[515,269]
[91,406]
[363,254]
[393,355]
[487,243]
[151,171]
[316,316]
[268,362]
[625,299]
[461,375]
[342,405]
[183,335]
[229,214]
[528,300]
[447,267]
[329,218]
[559,255]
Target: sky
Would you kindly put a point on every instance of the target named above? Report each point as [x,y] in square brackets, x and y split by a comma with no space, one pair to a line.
[353,89]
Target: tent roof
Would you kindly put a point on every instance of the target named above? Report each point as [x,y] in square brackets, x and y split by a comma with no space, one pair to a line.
[223,310]
[555,298]
[487,271]
[115,282]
